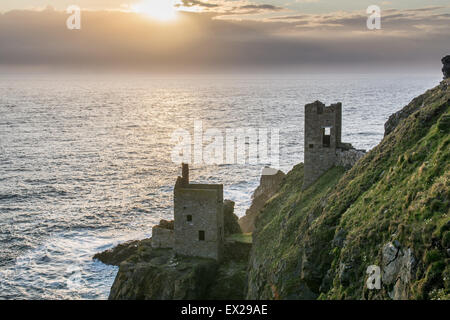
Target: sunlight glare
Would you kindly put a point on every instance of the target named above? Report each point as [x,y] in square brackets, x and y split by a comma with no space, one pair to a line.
[163,10]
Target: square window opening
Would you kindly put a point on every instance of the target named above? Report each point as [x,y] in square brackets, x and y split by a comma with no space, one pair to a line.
[326,137]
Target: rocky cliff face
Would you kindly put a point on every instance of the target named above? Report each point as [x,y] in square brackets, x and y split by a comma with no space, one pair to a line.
[149,270]
[159,274]
[268,186]
[391,210]
[446,66]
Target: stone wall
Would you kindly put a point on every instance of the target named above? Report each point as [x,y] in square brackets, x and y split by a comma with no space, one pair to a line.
[348,158]
[320,154]
[318,157]
[162,238]
[199,208]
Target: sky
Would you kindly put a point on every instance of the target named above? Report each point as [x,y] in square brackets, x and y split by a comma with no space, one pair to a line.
[306,6]
[224,35]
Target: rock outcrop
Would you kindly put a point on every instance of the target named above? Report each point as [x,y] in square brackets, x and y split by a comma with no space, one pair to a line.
[446,66]
[158,274]
[231,221]
[268,187]
[398,265]
[152,273]
[411,108]
[120,253]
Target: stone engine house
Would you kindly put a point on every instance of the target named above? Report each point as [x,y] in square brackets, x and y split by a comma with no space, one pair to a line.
[198,220]
[199,225]
[323,146]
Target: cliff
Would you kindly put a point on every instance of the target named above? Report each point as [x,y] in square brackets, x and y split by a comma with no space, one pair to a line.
[390,210]
[160,274]
[268,186]
[153,271]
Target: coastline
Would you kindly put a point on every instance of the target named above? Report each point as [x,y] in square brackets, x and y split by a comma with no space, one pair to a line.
[260,280]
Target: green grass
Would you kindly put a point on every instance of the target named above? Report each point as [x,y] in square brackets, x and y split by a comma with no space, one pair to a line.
[399,191]
[240,237]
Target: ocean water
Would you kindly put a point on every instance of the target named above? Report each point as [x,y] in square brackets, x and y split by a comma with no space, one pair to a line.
[85,161]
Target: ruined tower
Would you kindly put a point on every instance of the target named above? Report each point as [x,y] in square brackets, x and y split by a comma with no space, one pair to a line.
[198,213]
[323,146]
[322,138]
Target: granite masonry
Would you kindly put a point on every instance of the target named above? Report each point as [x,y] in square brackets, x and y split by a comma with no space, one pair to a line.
[163,235]
[323,146]
[199,223]
[198,226]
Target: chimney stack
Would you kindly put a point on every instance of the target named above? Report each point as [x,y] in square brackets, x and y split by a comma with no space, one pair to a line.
[185,173]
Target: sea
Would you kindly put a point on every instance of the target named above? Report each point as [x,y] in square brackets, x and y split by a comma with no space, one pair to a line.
[87,161]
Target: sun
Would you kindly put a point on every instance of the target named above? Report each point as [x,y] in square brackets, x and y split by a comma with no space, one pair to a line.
[162,10]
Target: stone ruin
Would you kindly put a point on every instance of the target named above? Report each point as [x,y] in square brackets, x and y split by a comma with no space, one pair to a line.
[163,235]
[323,146]
[198,228]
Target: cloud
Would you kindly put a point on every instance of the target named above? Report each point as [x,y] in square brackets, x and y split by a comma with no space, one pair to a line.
[426,9]
[229,7]
[394,21]
[194,3]
[261,6]
[198,41]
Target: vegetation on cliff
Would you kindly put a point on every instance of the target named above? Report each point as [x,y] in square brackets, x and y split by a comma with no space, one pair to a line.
[391,210]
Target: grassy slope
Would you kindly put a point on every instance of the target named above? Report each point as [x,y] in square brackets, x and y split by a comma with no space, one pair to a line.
[399,191]
[241,237]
